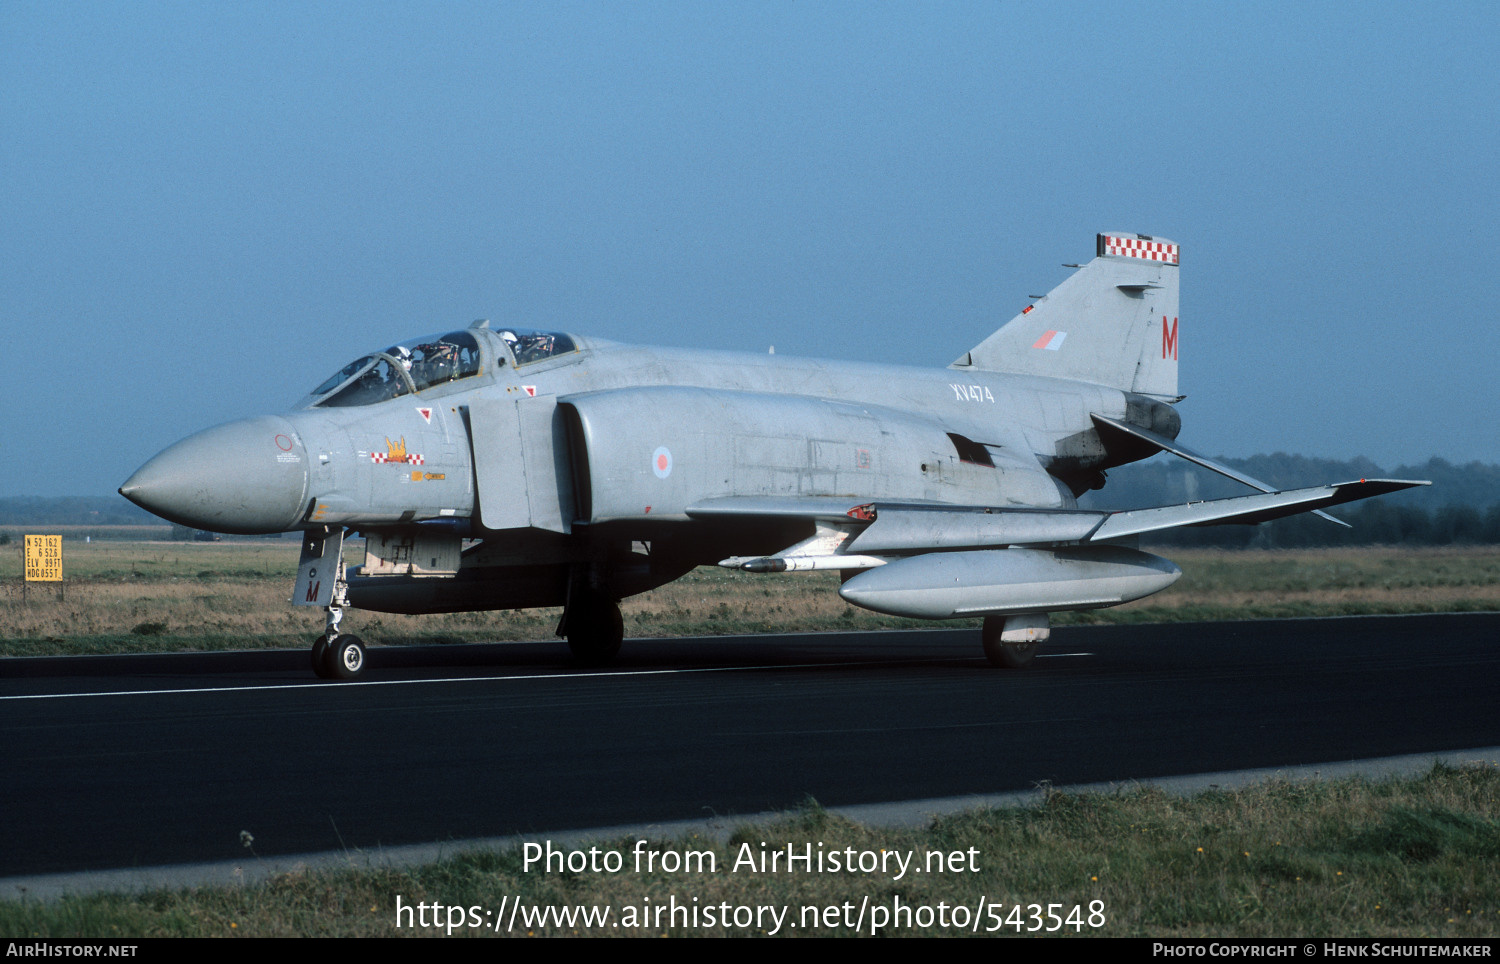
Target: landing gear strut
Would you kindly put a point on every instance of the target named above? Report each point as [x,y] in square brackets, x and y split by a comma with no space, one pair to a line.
[1010,642]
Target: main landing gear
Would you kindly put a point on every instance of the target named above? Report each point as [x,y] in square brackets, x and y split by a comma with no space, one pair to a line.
[594,628]
[1010,642]
[338,655]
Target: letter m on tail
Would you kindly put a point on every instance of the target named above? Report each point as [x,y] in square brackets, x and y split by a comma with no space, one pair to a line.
[1168,338]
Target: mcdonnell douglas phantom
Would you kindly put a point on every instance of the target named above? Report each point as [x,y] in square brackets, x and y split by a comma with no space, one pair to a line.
[502,468]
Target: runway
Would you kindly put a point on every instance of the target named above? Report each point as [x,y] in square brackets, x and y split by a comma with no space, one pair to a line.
[135,761]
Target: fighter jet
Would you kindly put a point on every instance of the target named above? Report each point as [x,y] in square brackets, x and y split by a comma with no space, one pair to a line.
[496,467]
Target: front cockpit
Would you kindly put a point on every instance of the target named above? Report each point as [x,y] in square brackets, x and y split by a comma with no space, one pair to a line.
[402,369]
[434,361]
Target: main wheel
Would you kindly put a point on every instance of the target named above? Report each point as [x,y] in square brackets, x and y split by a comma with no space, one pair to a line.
[595,630]
[1009,655]
[1000,653]
[344,659]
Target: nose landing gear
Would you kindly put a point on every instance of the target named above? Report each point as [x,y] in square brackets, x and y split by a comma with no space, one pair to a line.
[337,655]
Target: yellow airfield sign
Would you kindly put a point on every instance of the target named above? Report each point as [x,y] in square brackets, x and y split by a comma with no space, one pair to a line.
[44,559]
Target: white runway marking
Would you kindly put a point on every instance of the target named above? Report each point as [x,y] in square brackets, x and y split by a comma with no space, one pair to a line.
[487,679]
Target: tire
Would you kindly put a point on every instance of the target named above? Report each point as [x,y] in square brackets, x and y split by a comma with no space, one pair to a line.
[595,631]
[1002,654]
[320,657]
[345,658]
[1010,655]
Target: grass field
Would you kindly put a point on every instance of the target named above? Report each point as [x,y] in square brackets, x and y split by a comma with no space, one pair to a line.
[1406,858]
[123,597]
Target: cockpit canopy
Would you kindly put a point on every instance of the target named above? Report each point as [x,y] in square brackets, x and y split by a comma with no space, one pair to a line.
[534,346]
[421,363]
[411,366]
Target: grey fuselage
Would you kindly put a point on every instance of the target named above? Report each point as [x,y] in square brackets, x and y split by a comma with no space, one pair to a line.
[586,455]
[506,468]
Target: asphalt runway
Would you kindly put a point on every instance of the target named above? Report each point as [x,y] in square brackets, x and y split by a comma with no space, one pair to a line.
[139,761]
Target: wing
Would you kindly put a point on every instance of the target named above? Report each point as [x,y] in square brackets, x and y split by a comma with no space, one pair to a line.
[1112,428]
[855,534]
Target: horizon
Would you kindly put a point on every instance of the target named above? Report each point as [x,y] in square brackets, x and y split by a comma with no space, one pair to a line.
[1160,459]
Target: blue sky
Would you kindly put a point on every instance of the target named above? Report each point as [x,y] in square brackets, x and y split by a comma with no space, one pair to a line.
[207,208]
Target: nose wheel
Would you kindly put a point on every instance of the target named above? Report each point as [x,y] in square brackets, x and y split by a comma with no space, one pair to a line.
[319,655]
[346,657]
[343,657]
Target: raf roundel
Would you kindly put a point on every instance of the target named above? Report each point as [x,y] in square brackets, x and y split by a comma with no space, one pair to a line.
[661,462]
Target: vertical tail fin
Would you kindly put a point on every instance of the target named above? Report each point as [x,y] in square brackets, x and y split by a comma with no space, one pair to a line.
[1114,322]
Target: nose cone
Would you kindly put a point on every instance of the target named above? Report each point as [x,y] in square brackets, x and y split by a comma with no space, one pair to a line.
[246,477]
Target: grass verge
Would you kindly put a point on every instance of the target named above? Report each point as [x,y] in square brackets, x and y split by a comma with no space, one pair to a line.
[174,597]
[1410,857]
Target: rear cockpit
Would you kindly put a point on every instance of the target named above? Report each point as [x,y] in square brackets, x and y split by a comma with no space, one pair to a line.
[435,361]
[527,347]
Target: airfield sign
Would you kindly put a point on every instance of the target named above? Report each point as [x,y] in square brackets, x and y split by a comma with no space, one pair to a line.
[44,559]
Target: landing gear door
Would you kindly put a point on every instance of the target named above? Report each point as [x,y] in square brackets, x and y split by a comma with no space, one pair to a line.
[318,569]
[520,467]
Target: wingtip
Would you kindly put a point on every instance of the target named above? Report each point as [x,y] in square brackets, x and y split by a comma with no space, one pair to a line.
[1386,485]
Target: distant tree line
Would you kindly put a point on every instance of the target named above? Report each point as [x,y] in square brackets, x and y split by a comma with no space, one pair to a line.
[1373,522]
[1461,507]
[73,510]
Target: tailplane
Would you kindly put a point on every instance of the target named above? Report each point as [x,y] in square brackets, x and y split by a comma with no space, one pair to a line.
[1114,322]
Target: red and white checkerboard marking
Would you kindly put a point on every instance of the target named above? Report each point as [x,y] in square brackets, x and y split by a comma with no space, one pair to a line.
[1136,248]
